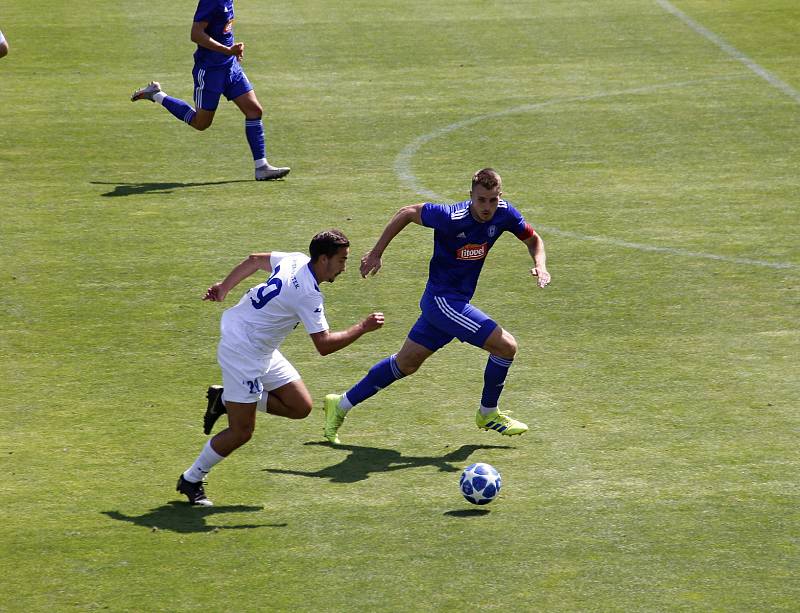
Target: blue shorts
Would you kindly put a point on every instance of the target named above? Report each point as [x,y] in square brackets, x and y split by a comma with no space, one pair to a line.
[444,319]
[212,82]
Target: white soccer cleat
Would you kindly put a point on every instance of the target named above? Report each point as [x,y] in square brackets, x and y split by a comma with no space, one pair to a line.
[147,92]
[270,173]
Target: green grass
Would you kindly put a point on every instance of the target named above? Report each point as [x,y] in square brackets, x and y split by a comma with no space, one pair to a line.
[661,470]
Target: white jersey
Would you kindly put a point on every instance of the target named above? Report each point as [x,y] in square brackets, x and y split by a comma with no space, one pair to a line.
[269,311]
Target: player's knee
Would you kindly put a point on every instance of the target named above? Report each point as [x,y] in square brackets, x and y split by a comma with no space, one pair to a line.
[508,346]
[407,367]
[301,411]
[200,123]
[243,432]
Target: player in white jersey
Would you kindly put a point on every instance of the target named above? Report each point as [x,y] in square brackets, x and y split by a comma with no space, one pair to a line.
[3,45]
[255,375]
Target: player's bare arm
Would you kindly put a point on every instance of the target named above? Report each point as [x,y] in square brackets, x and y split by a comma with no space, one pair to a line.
[328,342]
[250,265]
[200,37]
[371,262]
[535,246]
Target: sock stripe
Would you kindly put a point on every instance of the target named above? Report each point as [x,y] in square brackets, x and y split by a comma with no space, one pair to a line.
[398,374]
[500,361]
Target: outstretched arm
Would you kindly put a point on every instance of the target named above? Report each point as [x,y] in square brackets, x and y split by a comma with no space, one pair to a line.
[371,262]
[251,264]
[327,342]
[535,246]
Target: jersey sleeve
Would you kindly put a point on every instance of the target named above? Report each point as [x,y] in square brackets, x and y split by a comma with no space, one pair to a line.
[435,216]
[206,9]
[311,311]
[275,258]
[518,226]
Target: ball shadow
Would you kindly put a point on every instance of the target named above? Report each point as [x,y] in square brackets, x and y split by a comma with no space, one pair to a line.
[467,513]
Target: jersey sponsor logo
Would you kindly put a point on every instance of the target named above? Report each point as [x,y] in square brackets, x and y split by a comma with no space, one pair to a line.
[472,252]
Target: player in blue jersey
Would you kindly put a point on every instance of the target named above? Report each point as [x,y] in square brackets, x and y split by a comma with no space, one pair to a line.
[217,72]
[463,235]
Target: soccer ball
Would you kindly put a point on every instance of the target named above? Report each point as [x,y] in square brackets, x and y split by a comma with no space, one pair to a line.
[480,483]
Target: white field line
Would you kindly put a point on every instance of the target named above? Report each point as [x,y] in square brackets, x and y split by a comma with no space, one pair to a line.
[669,250]
[731,51]
[402,164]
[402,168]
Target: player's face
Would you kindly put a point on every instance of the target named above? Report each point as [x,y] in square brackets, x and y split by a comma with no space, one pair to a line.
[335,265]
[484,202]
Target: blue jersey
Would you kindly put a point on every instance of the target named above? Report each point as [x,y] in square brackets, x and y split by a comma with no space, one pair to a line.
[461,244]
[219,15]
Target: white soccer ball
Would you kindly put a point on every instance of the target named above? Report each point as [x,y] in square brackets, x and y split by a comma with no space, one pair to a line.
[480,483]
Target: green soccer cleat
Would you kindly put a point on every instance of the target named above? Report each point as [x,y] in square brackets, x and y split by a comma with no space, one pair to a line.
[500,422]
[334,417]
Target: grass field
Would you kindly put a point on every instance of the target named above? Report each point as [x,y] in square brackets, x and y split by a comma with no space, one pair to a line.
[654,145]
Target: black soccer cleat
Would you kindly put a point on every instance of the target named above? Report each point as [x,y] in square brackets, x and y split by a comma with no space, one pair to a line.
[194,491]
[214,409]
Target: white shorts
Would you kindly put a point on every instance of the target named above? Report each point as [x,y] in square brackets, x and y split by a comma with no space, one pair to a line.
[245,376]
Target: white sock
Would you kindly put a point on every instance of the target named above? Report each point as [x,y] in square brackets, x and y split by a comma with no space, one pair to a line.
[344,403]
[158,98]
[486,410]
[203,464]
[261,403]
[262,162]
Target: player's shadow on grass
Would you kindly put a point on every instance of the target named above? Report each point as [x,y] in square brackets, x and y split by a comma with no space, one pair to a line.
[183,517]
[137,189]
[365,460]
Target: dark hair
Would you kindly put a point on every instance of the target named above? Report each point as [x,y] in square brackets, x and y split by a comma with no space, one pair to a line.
[486,177]
[327,242]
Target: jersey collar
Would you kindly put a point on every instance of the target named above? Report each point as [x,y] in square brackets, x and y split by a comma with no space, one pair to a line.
[313,276]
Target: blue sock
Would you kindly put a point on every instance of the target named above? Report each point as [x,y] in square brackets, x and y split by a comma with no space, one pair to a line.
[383,374]
[494,378]
[178,108]
[254,130]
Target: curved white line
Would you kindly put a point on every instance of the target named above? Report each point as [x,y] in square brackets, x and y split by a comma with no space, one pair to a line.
[402,168]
